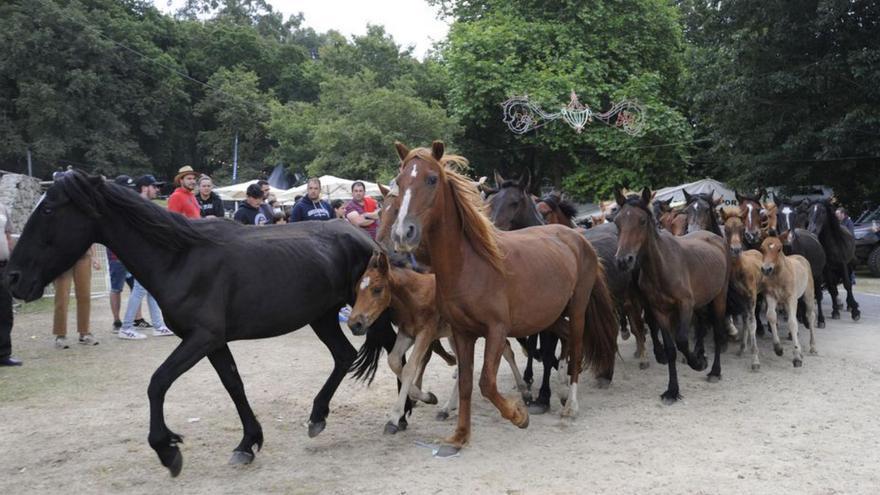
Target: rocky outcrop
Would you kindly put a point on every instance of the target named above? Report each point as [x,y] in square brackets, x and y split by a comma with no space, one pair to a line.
[19,194]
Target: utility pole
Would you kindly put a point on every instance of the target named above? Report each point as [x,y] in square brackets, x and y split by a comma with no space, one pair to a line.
[235,159]
[30,164]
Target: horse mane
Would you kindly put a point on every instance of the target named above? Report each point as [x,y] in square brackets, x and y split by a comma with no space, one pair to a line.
[713,217]
[472,210]
[92,194]
[563,205]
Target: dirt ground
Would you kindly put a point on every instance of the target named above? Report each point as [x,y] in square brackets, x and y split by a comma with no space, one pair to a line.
[76,421]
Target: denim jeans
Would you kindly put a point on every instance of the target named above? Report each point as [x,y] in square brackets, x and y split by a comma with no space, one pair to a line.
[134,301]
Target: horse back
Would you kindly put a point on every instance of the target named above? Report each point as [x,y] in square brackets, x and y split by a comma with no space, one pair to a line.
[704,260]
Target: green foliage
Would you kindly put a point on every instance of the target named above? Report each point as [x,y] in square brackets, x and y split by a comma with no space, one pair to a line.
[602,50]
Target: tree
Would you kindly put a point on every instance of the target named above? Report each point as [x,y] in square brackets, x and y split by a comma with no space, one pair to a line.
[792,101]
[603,51]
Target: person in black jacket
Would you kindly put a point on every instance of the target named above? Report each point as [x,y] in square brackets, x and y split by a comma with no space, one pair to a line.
[250,212]
[209,201]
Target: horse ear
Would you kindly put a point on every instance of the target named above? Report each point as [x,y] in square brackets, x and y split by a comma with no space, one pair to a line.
[718,200]
[384,190]
[739,197]
[687,196]
[761,193]
[384,266]
[437,149]
[525,180]
[646,195]
[784,236]
[498,179]
[402,150]
[618,196]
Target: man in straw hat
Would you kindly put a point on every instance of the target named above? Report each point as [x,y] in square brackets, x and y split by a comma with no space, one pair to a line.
[183,199]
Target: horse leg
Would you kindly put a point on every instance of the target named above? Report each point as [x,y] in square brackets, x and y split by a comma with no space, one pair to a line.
[634,313]
[548,351]
[717,316]
[396,357]
[521,386]
[671,395]
[850,300]
[798,359]
[660,354]
[452,401]
[697,361]
[759,325]
[562,373]
[622,311]
[531,347]
[817,291]
[224,365]
[407,377]
[831,285]
[327,329]
[512,408]
[811,320]
[576,316]
[751,336]
[164,441]
[771,322]
[464,351]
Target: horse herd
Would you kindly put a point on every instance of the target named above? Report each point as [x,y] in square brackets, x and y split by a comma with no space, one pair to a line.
[459,262]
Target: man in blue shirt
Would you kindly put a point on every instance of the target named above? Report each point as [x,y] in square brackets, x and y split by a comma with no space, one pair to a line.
[250,212]
[312,207]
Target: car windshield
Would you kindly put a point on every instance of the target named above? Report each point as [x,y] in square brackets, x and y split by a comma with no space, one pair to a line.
[870,216]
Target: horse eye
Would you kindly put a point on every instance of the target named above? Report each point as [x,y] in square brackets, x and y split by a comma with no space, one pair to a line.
[47,210]
[432,180]
[377,290]
[643,221]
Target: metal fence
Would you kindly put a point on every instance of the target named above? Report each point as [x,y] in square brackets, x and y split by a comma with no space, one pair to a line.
[100,278]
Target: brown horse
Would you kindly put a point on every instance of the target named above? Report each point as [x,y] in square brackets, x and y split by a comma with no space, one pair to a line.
[677,276]
[787,279]
[745,277]
[754,217]
[411,294]
[496,284]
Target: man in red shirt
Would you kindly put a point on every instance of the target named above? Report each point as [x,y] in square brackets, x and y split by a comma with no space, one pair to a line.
[183,199]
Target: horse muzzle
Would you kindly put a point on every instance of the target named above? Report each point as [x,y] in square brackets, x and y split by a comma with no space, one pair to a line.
[358,324]
[406,235]
[20,290]
[626,262]
[767,270]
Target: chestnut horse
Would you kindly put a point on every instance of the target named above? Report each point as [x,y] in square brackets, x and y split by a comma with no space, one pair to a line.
[677,276]
[787,279]
[411,295]
[496,284]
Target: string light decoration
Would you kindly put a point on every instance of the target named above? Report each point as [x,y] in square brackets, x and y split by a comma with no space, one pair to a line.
[522,116]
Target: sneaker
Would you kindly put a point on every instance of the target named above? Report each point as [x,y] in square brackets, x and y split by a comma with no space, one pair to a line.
[162,332]
[88,339]
[142,323]
[130,334]
[116,326]
[61,342]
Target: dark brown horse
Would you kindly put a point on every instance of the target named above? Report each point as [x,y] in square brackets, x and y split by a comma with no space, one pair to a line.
[677,276]
[496,285]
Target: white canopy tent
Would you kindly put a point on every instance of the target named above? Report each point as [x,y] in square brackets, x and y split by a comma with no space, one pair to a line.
[238,192]
[331,188]
[701,186]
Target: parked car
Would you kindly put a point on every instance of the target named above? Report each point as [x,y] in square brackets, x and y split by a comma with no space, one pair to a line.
[867,232]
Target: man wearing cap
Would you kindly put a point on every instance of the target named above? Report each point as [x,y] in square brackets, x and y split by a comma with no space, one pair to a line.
[183,200]
[251,211]
[148,188]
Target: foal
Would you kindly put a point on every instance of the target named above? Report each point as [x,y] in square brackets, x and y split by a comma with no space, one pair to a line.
[746,278]
[787,278]
[411,295]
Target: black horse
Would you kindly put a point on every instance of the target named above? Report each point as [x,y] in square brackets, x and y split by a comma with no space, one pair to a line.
[209,278]
[839,247]
[802,242]
[700,210]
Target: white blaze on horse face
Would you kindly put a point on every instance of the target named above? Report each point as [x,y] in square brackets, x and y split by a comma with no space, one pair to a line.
[365,282]
[404,209]
[415,170]
[749,224]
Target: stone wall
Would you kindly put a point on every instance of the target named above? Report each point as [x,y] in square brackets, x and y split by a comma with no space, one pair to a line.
[19,194]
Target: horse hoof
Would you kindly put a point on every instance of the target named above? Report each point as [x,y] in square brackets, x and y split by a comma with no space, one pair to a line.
[661,359]
[669,399]
[442,415]
[700,364]
[821,324]
[240,458]
[447,451]
[624,334]
[713,378]
[432,399]
[756,366]
[603,383]
[525,423]
[176,464]
[643,365]
[538,408]
[813,352]
[777,348]
[856,315]
[391,428]
[316,428]
[797,363]
[835,315]
[563,400]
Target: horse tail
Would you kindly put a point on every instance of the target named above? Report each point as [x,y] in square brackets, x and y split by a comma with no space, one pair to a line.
[441,351]
[380,336]
[600,331]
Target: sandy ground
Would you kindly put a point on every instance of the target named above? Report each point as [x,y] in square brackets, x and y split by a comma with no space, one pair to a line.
[76,421]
